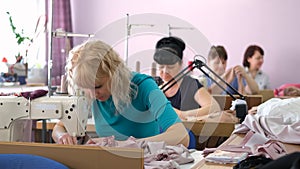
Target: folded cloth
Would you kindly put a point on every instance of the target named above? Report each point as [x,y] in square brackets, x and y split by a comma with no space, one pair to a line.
[224,157]
[157,155]
[272,127]
[254,144]
[34,94]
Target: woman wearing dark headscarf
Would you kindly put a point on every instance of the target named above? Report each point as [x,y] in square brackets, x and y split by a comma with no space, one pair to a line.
[187,96]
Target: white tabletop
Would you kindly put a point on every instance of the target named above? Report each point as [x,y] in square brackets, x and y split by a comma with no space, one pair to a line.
[199,161]
[20,88]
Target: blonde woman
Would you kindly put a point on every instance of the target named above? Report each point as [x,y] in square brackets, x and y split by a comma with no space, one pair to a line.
[124,103]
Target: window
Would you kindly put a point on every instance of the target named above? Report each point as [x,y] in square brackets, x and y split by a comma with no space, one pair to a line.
[25,15]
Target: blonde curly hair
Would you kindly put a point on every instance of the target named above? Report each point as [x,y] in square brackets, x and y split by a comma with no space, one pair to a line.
[95,59]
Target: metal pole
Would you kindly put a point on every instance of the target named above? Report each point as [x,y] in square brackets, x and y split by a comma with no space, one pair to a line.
[174,27]
[127,37]
[169,30]
[50,28]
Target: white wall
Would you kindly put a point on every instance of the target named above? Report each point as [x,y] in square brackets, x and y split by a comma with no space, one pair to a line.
[273,24]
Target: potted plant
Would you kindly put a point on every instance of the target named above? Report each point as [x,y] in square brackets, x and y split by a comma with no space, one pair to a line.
[19,67]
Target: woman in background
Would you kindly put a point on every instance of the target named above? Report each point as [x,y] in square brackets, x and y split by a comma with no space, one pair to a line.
[235,76]
[253,61]
[187,96]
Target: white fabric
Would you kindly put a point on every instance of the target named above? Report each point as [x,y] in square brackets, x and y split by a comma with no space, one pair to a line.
[277,119]
[288,109]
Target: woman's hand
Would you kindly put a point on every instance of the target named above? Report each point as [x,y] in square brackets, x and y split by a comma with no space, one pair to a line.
[67,139]
[253,110]
[103,141]
[229,75]
[251,85]
[95,140]
[239,70]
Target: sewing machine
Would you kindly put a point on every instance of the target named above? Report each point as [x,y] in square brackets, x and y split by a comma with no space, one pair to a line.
[16,114]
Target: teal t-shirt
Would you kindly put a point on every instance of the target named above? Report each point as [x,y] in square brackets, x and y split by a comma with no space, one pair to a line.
[149,113]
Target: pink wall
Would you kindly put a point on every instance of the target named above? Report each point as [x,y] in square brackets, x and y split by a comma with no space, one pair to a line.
[273,24]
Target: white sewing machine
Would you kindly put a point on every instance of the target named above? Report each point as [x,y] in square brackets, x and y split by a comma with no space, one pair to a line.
[16,112]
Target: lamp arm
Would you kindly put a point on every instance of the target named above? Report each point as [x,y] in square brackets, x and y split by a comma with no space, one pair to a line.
[199,64]
[176,78]
[239,105]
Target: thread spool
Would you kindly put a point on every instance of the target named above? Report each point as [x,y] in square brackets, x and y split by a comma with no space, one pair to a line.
[153,69]
[63,84]
[137,66]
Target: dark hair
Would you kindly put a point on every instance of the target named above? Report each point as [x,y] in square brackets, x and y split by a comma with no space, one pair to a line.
[218,51]
[169,50]
[222,52]
[250,52]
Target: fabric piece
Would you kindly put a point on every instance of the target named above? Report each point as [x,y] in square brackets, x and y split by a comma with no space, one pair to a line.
[34,94]
[276,119]
[224,157]
[157,155]
[254,144]
[280,91]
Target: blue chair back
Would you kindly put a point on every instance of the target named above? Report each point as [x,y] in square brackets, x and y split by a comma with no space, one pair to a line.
[28,161]
[192,143]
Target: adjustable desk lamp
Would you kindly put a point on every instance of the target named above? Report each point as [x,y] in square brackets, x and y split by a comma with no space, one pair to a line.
[240,105]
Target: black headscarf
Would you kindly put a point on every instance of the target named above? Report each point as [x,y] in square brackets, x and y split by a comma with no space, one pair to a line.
[169,50]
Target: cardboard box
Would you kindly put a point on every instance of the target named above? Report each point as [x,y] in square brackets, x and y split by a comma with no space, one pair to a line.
[225,100]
